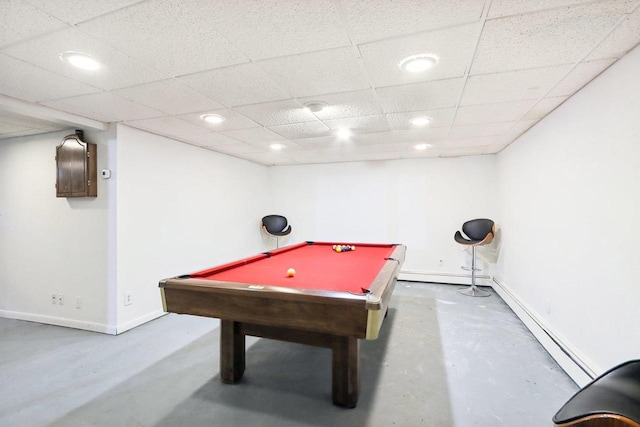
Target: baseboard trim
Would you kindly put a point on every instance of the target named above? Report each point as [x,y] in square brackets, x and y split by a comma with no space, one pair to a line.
[569,359]
[448,278]
[124,327]
[59,321]
[81,324]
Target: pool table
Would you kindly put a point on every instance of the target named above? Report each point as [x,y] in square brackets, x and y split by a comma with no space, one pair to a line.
[333,300]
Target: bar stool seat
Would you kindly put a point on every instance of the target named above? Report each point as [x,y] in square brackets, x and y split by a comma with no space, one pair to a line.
[611,400]
[276,226]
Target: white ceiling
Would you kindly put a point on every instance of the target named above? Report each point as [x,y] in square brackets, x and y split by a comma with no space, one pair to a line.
[503,65]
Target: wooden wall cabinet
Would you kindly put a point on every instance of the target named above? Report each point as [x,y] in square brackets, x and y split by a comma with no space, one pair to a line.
[77,172]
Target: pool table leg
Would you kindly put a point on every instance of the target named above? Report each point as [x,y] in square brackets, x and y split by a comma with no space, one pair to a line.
[346,358]
[232,351]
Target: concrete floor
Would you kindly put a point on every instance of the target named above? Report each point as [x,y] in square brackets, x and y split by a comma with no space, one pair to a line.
[442,359]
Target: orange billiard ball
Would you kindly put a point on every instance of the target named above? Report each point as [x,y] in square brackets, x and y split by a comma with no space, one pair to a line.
[291,272]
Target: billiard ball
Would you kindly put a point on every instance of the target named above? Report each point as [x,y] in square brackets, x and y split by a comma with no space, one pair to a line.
[291,272]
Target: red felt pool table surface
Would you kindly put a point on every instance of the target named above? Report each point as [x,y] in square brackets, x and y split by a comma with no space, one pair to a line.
[317,266]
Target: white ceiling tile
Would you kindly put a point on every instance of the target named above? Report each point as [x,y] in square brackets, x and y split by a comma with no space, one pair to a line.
[479,130]
[371,148]
[167,35]
[168,125]
[238,148]
[29,131]
[117,69]
[512,85]
[488,113]
[379,19]
[257,63]
[453,46]
[21,21]
[76,11]
[420,96]
[501,8]
[470,141]
[409,150]
[18,120]
[277,113]
[346,104]
[544,107]
[582,74]
[209,139]
[522,126]
[233,120]
[622,39]
[419,135]
[302,130]
[550,37]
[412,153]
[254,135]
[285,147]
[238,85]
[454,151]
[11,127]
[104,106]
[374,138]
[441,117]
[364,124]
[277,28]
[317,142]
[169,96]
[328,71]
[334,154]
[26,81]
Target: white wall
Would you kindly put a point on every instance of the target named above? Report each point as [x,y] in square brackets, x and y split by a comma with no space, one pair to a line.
[179,209]
[570,219]
[417,202]
[169,208]
[48,244]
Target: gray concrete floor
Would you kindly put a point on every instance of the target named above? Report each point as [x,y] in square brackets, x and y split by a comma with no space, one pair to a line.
[443,359]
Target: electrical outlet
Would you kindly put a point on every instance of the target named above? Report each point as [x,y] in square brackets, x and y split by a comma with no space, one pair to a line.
[441,263]
[128,299]
[61,299]
[54,298]
[78,302]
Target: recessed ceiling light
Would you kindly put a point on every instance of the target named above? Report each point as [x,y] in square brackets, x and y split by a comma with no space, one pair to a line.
[421,121]
[315,106]
[343,133]
[277,146]
[213,118]
[80,60]
[418,63]
[422,146]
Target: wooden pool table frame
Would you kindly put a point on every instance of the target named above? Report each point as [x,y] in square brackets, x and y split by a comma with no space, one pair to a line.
[335,320]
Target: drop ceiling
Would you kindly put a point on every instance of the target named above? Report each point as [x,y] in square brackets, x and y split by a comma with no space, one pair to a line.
[502,66]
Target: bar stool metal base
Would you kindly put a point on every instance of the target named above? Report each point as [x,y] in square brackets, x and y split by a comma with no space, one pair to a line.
[474,291]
